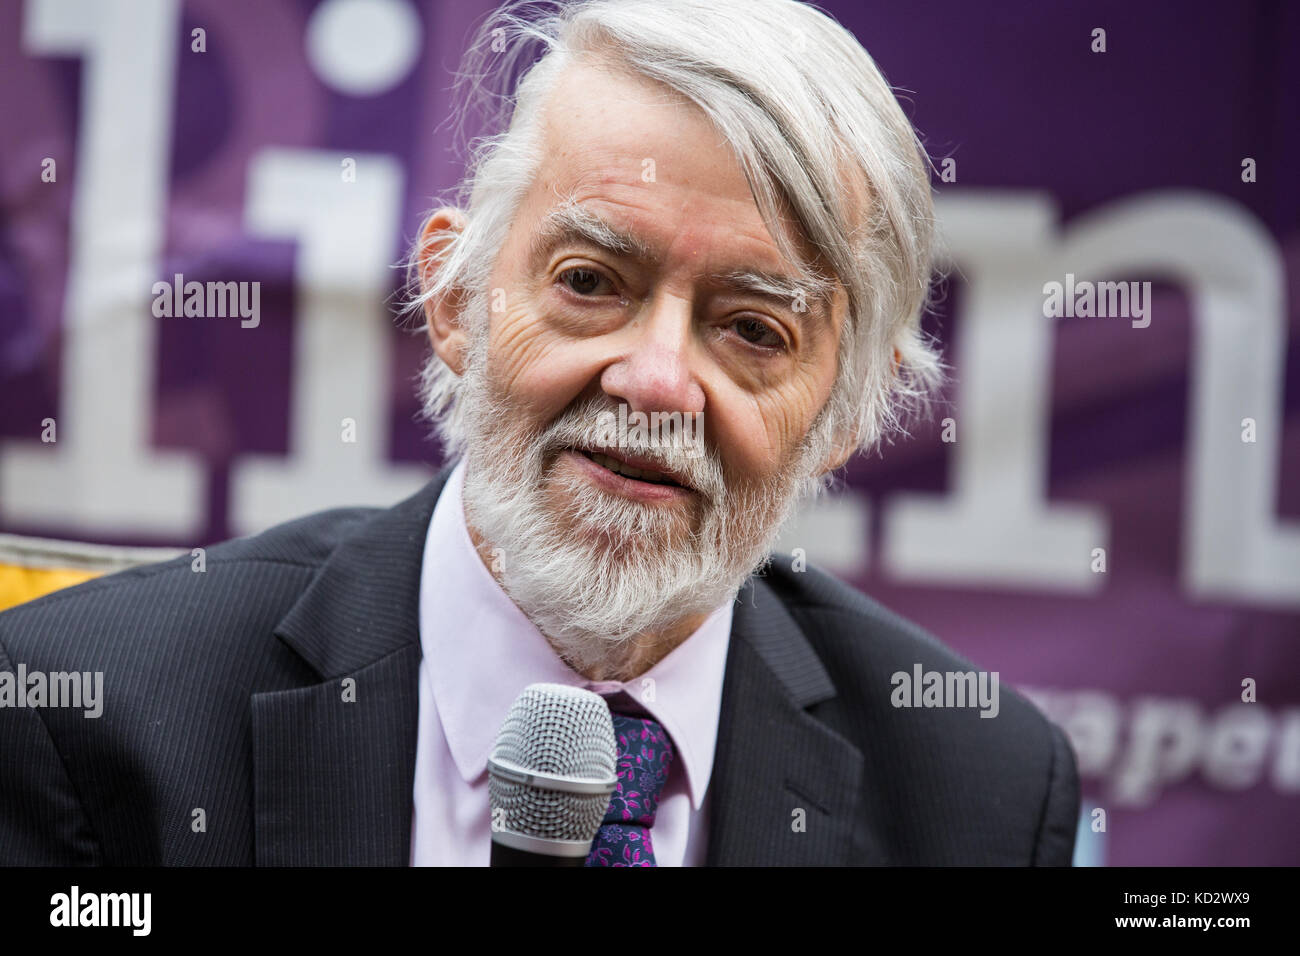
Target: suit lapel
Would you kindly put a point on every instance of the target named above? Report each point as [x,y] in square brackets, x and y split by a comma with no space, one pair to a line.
[785,787]
[334,762]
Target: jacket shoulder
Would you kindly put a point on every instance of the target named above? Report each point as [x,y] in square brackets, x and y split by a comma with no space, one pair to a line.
[991,780]
[168,655]
[814,594]
[233,588]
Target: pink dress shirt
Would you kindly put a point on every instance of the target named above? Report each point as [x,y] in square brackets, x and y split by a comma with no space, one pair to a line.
[480,651]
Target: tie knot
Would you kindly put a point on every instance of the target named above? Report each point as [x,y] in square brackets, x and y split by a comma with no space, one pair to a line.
[645,754]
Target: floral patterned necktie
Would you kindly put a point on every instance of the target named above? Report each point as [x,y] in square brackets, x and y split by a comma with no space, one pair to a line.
[645,753]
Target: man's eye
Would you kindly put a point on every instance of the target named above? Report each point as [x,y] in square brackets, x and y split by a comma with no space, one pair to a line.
[758,332]
[583,281]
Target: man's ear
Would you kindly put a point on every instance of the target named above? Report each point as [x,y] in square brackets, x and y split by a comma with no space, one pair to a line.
[442,315]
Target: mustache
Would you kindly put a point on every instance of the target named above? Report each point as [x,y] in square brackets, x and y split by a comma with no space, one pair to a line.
[581,427]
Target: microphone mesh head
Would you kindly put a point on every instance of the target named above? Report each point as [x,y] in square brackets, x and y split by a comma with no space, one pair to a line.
[554,728]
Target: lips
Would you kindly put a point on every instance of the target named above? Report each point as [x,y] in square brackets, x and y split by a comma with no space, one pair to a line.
[634,467]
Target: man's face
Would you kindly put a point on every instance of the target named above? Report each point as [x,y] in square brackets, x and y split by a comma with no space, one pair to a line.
[577,327]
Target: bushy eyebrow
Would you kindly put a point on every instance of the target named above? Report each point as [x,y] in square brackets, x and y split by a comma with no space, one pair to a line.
[571,222]
[784,290]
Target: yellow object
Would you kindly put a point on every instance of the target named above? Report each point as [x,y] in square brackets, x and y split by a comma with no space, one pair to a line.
[32,567]
[19,584]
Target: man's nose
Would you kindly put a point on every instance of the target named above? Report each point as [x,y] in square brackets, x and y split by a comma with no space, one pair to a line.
[657,373]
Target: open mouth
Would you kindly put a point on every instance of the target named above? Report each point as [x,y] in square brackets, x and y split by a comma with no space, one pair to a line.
[627,470]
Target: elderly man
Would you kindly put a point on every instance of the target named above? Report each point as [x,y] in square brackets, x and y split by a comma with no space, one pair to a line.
[684,287]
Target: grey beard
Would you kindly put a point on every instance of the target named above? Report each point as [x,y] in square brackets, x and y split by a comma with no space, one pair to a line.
[640,572]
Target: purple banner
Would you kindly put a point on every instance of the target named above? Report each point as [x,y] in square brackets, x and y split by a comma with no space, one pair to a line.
[1106,509]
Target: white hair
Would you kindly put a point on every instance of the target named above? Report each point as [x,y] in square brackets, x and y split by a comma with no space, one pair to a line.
[815,127]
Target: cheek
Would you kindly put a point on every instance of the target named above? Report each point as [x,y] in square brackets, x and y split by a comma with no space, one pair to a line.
[532,366]
[757,432]
[753,433]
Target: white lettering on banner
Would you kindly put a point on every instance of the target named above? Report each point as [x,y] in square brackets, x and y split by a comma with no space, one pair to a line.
[101,474]
[1139,749]
[996,525]
[346,234]
[1233,545]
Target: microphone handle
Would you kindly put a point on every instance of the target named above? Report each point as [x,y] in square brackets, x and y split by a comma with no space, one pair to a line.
[509,856]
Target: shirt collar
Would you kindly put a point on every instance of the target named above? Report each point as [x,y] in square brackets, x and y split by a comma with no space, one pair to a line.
[483,651]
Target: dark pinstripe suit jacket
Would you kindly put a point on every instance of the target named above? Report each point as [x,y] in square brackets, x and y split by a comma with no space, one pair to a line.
[223,691]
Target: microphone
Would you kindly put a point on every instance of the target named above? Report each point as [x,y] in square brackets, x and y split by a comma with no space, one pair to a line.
[550,776]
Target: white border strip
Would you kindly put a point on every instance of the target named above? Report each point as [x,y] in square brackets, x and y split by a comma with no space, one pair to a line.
[55,554]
